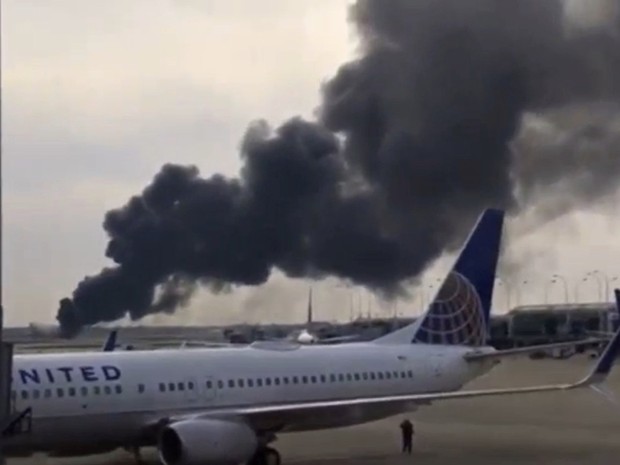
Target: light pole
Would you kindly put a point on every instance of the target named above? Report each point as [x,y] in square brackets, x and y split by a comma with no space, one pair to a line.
[369,314]
[5,384]
[606,281]
[506,287]
[435,283]
[522,283]
[598,282]
[420,292]
[429,300]
[565,283]
[612,280]
[349,287]
[546,287]
[579,283]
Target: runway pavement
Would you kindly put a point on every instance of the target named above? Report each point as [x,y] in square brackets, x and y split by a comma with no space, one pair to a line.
[571,428]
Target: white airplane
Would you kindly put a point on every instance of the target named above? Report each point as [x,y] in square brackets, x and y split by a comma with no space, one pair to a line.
[306,336]
[303,336]
[225,406]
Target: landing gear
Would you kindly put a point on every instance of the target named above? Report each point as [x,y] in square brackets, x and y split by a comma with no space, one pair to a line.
[137,456]
[266,456]
[135,451]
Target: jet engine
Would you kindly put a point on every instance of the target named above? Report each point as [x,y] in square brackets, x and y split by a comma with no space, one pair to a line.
[207,442]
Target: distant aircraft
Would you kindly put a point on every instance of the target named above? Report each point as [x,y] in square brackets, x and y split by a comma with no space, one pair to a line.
[40,330]
[225,406]
[50,332]
[306,336]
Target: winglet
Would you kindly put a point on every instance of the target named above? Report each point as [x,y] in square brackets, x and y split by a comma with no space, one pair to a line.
[605,362]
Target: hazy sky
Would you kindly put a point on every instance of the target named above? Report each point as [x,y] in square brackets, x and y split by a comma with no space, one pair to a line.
[98,95]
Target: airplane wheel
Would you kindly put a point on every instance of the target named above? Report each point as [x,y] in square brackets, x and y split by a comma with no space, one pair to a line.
[271,456]
[266,456]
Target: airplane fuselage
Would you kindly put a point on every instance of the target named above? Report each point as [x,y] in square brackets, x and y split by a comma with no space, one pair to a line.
[93,402]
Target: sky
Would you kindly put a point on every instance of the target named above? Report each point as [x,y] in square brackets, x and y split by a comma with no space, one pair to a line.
[97,96]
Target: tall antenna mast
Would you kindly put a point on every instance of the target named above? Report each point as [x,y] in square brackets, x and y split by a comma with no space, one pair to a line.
[1,200]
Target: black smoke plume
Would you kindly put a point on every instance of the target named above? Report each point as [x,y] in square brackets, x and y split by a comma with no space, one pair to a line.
[429,115]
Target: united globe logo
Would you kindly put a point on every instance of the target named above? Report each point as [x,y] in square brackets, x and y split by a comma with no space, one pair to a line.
[456,316]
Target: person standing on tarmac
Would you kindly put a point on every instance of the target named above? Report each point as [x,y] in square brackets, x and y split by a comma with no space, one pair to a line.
[406,428]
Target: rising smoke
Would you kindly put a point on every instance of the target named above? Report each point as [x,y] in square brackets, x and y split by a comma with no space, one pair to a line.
[437,119]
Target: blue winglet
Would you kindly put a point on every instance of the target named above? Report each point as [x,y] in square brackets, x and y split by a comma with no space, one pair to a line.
[606,360]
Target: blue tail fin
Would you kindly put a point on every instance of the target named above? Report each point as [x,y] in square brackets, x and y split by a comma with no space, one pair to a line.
[110,344]
[459,313]
[608,358]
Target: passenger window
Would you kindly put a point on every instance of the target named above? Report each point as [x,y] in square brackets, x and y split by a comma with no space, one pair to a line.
[388,375]
[220,384]
[380,375]
[107,390]
[285,380]
[295,380]
[341,377]
[349,377]
[356,376]
[60,392]
[140,388]
[322,377]
[276,381]
[162,387]
[71,391]
[267,381]
[365,376]
[181,386]
[47,393]
[190,386]
[304,379]
[373,376]
[209,385]
[171,387]
[259,382]
[395,373]
[118,388]
[313,379]
[403,374]
[250,382]
[35,394]
[231,383]
[410,374]
[97,390]
[84,391]
[332,378]
[240,383]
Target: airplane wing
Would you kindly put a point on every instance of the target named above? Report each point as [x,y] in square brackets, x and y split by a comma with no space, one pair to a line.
[339,339]
[210,344]
[499,354]
[287,413]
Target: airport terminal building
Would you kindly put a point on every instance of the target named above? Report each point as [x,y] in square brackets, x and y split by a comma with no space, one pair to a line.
[539,324]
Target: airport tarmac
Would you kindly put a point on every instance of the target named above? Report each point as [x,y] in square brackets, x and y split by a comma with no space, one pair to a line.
[570,428]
